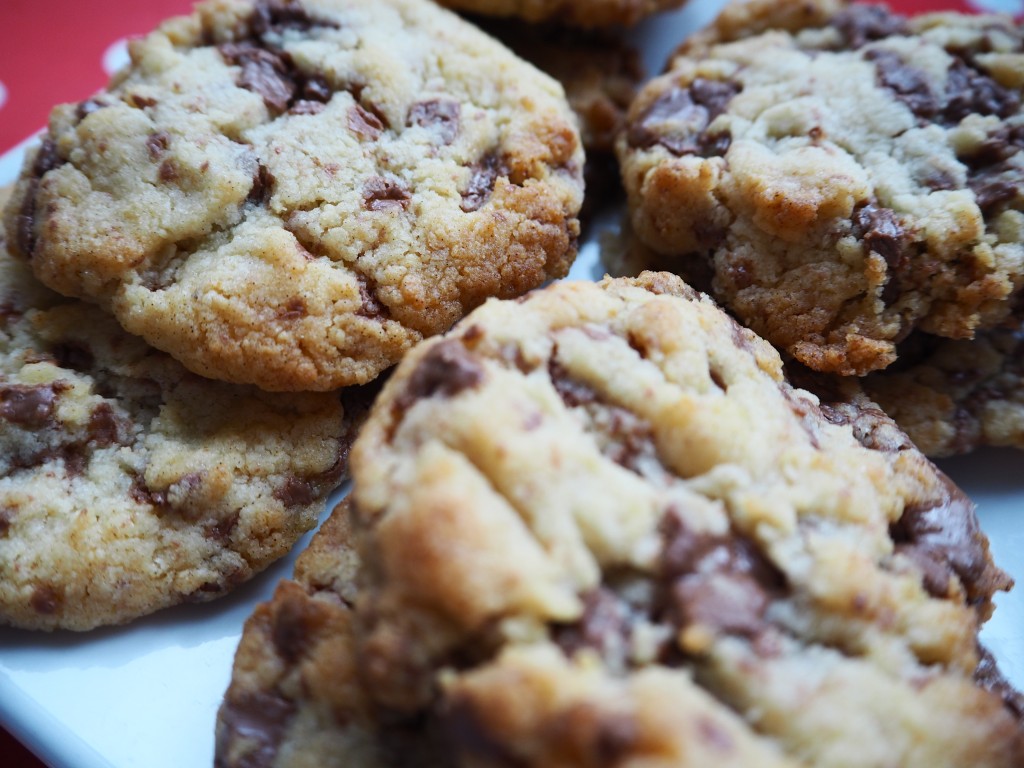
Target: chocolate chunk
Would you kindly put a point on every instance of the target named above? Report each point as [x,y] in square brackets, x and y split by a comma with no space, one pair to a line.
[861,24]
[295,492]
[7,515]
[103,425]
[295,622]
[316,88]
[30,406]
[157,144]
[46,160]
[304,107]
[87,107]
[603,627]
[142,102]
[140,493]
[969,91]
[276,16]
[221,530]
[994,176]
[264,72]
[364,123]
[881,231]
[168,171]
[295,309]
[573,392]
[909,84]
[990,677]
[258,721]
[944,532]
[445,371]
[380,194]
[369,306]
[262,185]
[678,119]
[721,582]
[481,182]
[442,116]
[46,599]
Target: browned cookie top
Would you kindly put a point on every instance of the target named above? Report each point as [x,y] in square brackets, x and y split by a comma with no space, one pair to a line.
[127,483]
[598,527]
[292,193]
[848,175]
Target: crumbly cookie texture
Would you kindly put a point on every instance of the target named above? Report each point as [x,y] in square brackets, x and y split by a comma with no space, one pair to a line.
[580,13]
[954,396]
[597,526]
[292,193]
[601,73]
[127,483]
[848,175]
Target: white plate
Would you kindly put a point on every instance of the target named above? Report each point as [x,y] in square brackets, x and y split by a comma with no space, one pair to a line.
[147,694]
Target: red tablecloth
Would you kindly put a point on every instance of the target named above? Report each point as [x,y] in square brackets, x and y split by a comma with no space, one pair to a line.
[64,50]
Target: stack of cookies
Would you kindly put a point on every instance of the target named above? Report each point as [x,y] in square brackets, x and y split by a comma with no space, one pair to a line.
[591,524]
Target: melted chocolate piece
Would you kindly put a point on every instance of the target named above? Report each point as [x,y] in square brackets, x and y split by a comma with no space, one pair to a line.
[30,406]
[295,492]
[157,144]
[882,232]
[262,185]
[862,24]
[369,306]
[722,582]
[257,720]
[993,177]
[945,533]
[275,16]
[380,194]
[990,677]
[264,72]
[295,309]
[573,393]
[103,424]
[909,84]
[445,371]
[7,515]
[481,183]
[678,119]
[442,116]
[168,171]
[222,529]
[295,622]
[46,599]
[46,160]
[364,123]
[969,91]
[87,107]
[604,625]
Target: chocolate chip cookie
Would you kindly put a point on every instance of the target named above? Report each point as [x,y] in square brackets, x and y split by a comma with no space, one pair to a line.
[291,193]
[601,72]
[582,13]
[127,483]
[954,396]
[847,175]
[597,527]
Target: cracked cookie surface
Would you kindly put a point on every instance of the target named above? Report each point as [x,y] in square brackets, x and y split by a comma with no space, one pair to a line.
[597,526]
[848,175]
[291,194]
[127,483]
[953,396]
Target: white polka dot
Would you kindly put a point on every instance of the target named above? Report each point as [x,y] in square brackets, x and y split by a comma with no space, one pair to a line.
[999,6]
[116,56]
[3,95]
